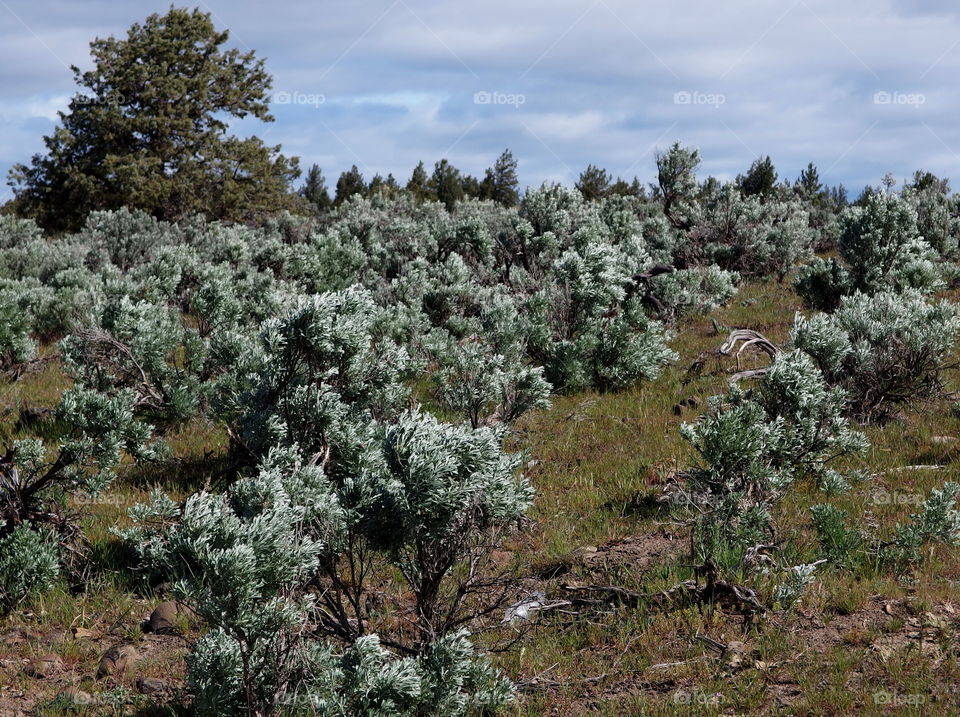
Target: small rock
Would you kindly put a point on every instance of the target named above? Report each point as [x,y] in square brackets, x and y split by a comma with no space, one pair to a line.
[75,695]
[153,686]
[116,660]
[80,633]
[44,666]
[163,620]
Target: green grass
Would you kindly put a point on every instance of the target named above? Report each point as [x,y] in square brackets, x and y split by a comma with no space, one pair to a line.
[866,640]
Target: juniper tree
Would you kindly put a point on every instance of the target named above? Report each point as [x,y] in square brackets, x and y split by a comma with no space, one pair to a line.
[349,184]
[808,185]
[760,180]
[446,184]
[594,183]
[418,185]
[500,182]
[314,189]
[148,129]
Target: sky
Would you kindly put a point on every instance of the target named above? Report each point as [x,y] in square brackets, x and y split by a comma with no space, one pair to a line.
[859,88]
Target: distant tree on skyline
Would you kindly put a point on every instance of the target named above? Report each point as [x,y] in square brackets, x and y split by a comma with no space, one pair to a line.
[500,183]
[760,180]
[314,189]
[446,184]
[350,182]
[594,183]
[418,183]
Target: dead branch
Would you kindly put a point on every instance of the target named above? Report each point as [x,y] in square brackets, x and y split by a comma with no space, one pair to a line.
[748,338]
[714,591]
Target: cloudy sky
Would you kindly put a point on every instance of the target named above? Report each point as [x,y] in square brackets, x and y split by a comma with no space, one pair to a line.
[860,88]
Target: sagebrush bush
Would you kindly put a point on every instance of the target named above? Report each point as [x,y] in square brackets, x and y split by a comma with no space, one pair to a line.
[310,377]
[93,433]
[754,444]
[16,343]
[839,544]
[881,249]
[28,563]
[425,498]
[937,520]
[884,351]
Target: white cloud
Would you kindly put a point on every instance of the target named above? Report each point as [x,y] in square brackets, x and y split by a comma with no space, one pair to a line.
[599,81]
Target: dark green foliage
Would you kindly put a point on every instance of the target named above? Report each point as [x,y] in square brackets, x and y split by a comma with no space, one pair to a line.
[594,183]
[446,184]
[148,130]
[418,184]
[314,190]
[760,180]
[349,184]
[500,182]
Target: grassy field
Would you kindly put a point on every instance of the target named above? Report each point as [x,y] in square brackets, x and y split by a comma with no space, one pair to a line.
[861,641]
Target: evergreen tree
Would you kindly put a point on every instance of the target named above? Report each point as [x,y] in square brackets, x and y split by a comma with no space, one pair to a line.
[446,184]
[838,196]
[864,198]
[148,130]
[623,189]
[928,181]
[418,185]
[760,180]
[500,182]
[314,189]
[808,186]
[350,183]
[376,185]
[472,186]
[594,183]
